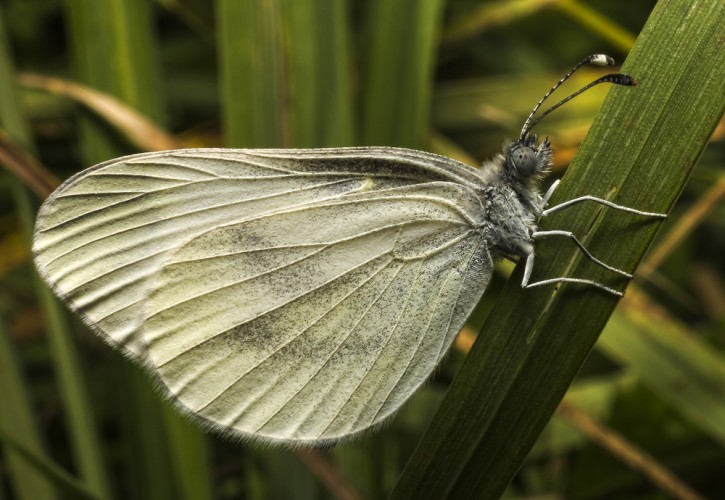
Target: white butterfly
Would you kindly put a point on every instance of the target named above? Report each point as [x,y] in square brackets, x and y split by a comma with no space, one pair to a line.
[294,296]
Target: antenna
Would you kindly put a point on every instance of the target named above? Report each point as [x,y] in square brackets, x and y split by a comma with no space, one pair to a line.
[594,59]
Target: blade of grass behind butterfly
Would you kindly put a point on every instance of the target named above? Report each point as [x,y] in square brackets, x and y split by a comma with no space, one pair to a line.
[16,413]
[285,73]
[85,441]
[251,74]
[640,151]
[317,73]
[114,51]
[677,364]
[285,83]
[401,37]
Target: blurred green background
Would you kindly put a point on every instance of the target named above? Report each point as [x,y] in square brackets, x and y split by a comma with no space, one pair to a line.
[83,81]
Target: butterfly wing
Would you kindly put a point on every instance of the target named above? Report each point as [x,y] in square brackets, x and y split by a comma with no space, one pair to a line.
[297,296]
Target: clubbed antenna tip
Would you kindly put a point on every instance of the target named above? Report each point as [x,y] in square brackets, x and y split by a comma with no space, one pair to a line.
[600,60]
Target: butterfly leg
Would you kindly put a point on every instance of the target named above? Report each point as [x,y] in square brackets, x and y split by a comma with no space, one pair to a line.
[550,192]
[570,235]
[525,283]
[601,201]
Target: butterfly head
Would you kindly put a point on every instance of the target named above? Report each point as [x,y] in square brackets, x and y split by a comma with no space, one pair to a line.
[526,159]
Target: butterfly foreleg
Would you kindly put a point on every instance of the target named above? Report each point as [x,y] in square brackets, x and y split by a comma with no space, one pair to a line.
[594,199]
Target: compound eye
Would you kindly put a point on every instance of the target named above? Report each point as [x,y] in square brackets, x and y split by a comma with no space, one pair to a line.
[524,160]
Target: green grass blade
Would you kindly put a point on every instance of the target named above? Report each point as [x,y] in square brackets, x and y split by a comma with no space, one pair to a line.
[399,69]
[640,152]
[12,118]
[64,482]
[16,413]
[251,73]
[189,456]
[284,73]
[114,51]
[80,417]
[677,365]
[317,73]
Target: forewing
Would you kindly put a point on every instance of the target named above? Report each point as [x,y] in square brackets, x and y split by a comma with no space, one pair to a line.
[313,323]
[105,234]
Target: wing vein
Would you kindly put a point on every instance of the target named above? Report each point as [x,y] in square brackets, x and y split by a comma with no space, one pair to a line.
[185,214]
[317,372]
[451,273]
[279,348]
[387,341]
[179,166]
[276,307]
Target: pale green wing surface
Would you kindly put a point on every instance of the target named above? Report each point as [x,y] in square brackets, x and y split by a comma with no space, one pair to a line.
[106,232]
[315,322]
[294,295]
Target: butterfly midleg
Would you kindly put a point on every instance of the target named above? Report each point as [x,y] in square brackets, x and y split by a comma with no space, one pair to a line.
[570,235]
[530,267]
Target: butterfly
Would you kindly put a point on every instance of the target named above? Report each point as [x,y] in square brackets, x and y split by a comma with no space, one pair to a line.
[294,296]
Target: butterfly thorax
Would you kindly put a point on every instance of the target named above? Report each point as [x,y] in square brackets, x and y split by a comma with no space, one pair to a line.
[512,200]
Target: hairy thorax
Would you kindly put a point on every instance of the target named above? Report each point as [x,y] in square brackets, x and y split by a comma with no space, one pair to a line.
[511,218]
